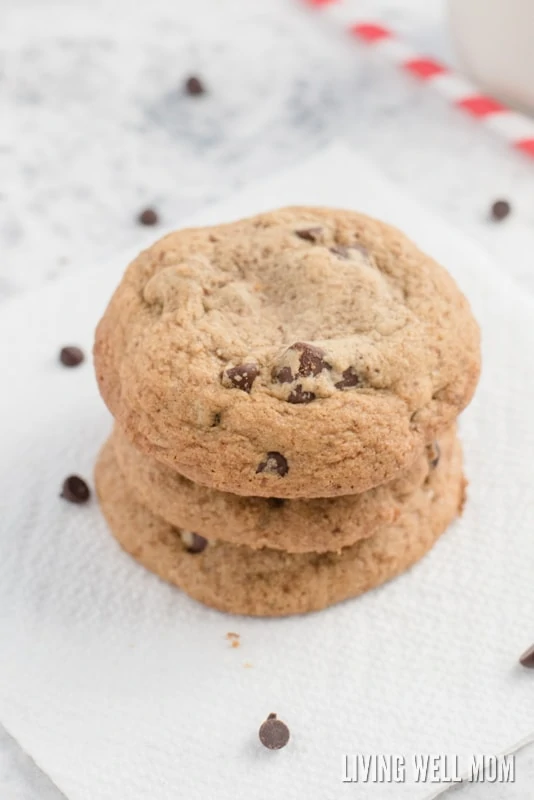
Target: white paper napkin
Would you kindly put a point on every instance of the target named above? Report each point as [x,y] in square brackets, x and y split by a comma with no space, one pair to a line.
[122,688]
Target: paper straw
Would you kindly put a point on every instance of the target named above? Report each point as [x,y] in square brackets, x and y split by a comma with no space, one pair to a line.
[515,128]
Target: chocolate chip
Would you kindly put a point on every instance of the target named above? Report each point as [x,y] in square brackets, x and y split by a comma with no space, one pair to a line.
[349,379]
[71,356]
[527,659]
[194,86]
[433,452]
[343,251]
[500,210]
[311,360]
[283,375]
[275,502]
[193,542]
[340,250]
[274,464]
[309,234]
[75,490]
[311,363]
[297,396]
[242,376]
[273,733]
[216,420]
[148,217]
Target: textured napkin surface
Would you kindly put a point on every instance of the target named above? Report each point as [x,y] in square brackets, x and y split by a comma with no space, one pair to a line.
[122,688]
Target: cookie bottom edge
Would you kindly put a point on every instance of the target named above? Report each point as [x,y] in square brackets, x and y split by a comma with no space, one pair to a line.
[273,583]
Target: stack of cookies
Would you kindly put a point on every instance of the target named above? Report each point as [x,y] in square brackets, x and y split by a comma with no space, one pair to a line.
[285,390]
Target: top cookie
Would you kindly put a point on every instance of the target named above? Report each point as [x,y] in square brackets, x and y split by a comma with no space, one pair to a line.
[306,352]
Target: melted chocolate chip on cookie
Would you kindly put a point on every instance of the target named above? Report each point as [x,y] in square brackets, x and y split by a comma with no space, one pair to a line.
[311,362]
[274,464]
[242,376]
[301,360]
[349,379]
[298,396]
[309,234]
[283,375]
[433,452]
[343,251]
[193,542]
[340,250]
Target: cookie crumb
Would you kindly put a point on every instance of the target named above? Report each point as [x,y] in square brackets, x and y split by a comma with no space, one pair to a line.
[247,665]
[234,639]
[273,733]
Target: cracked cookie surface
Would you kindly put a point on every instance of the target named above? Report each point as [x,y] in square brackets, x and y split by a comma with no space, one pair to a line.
[297,526]
[270,582]
[305,352]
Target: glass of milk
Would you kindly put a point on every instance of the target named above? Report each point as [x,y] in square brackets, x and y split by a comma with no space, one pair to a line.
[494,41]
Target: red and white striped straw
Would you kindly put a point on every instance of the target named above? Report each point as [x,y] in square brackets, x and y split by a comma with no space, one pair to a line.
[515,128]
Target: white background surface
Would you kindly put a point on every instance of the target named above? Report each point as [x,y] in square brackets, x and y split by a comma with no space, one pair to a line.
[94,128]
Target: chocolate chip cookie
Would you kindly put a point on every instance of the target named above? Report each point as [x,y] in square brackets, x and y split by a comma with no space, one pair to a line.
[306,352]
[297,526]
[271,582]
